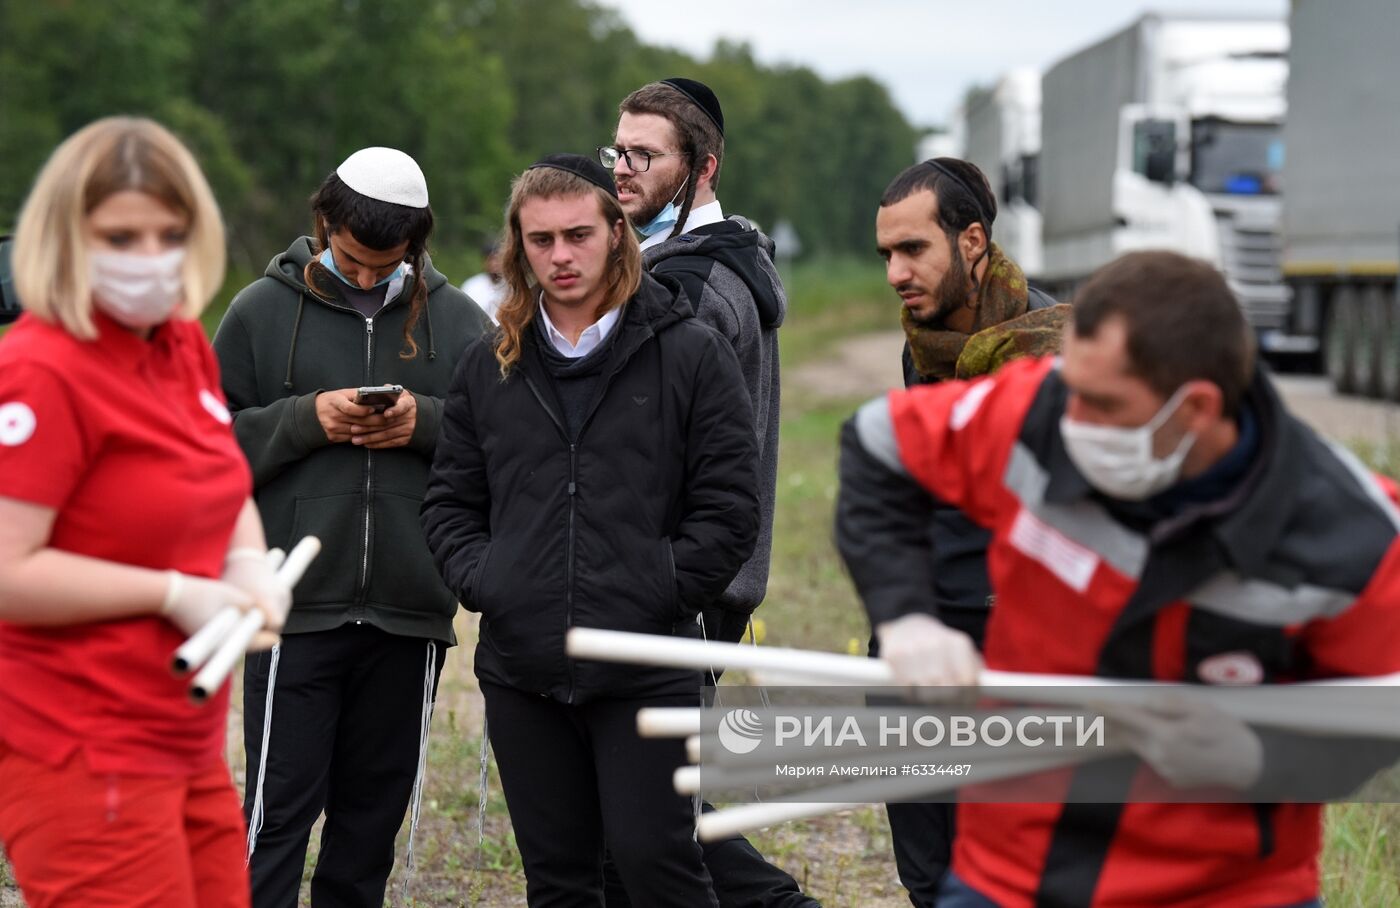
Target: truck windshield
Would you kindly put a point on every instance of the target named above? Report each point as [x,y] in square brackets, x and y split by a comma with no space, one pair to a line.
[1236,158]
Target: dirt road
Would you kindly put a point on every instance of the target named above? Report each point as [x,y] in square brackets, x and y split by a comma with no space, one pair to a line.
[868,364]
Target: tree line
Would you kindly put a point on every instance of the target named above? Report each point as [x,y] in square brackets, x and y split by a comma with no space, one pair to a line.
[272,94]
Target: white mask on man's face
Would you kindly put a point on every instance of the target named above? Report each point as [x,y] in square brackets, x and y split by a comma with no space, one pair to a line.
[1120,462]
[138,291]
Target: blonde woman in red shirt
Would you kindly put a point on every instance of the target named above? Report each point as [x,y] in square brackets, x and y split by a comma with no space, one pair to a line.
[125,525]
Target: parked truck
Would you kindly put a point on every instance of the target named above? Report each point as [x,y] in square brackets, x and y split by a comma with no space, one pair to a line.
[1168,134]
[1001,135]
[1341,213]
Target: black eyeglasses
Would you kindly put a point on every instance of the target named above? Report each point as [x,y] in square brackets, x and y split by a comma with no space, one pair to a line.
[637,159]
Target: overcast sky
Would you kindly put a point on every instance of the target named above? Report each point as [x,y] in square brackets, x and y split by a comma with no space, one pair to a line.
[927,52]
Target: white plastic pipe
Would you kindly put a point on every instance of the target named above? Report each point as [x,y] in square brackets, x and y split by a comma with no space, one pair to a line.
[722,824]
[217,669]
[1283,706]
[680,652]
[195,651]
[692,748]
[683,652]
[668,721]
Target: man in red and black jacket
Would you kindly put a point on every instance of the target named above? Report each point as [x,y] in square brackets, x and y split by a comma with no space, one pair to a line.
[1156,514]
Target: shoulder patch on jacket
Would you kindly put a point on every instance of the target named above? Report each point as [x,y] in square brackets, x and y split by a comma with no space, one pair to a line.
[692,271]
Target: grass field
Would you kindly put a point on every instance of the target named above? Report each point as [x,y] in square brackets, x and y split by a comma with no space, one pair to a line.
[843,860]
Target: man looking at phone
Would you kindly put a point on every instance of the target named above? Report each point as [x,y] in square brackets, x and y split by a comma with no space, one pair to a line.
[338,715]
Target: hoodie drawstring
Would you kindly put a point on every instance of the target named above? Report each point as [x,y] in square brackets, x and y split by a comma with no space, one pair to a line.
[428,317]
[292,351]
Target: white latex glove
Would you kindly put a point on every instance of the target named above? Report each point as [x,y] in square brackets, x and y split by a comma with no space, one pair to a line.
[923,651]
[1190,743]
[249,570]
[190,602]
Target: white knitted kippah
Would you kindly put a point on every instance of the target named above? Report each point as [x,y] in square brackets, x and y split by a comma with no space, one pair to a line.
[386,174]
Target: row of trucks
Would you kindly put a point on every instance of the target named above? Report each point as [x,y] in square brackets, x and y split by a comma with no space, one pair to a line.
[1270,148]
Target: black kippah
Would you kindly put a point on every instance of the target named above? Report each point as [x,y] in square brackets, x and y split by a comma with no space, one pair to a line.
[579,166]
[699,93]
[977,200]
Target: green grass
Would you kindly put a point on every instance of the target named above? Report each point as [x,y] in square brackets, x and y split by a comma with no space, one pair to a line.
[1361,856]
[831,300]
[1361,842]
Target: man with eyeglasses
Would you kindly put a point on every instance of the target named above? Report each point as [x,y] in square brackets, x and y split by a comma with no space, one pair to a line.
[666,157]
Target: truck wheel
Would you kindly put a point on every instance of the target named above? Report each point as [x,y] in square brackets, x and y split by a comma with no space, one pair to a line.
[1341,340]
[1368,341]
[1388,342]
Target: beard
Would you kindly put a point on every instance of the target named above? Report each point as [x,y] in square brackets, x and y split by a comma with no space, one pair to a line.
[948,296]
[650,201]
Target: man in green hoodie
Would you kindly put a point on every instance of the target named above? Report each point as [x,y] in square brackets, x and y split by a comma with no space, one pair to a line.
[336,718]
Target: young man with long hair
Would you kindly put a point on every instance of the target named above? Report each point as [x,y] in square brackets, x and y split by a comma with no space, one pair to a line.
[598,468]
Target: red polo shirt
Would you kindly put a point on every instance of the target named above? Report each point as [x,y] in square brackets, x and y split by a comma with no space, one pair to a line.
[130,442]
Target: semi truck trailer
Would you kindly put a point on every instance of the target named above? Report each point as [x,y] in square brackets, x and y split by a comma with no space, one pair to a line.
[1168,135]
[1341,179]
[1001,134]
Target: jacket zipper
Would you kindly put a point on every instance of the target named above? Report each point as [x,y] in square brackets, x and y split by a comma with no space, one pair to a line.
[572,489]
[569,576]
[363,590]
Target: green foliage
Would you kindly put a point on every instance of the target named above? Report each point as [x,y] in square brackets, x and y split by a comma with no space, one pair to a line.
[271,95]
[834,298]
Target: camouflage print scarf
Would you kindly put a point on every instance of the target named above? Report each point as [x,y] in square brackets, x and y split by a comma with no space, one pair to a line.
[1003,328]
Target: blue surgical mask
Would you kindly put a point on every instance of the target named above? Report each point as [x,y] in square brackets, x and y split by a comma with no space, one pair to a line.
[666,217]
[329,261]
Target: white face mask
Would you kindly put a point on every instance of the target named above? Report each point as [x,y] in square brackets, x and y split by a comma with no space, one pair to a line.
[1119,462]
[138,291]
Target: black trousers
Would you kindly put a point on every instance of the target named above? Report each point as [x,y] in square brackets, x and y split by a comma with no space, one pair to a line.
[577,777]
[346,721]
[922,833]
[742,877]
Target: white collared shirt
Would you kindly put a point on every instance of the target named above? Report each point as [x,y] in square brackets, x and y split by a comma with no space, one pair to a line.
[709,213]
[588,341]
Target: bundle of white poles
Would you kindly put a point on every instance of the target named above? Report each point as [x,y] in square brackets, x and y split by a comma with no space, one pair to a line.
[1284,707]
[215,648]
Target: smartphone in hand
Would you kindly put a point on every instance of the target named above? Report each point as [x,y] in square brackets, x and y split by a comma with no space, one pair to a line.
[380,397]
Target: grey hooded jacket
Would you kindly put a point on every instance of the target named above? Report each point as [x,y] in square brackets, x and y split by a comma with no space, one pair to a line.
[727,271]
